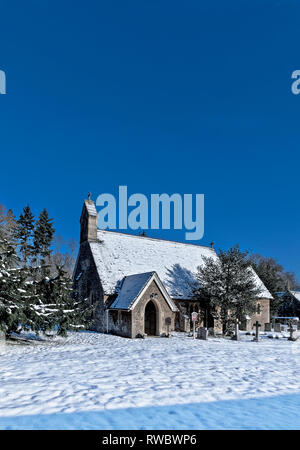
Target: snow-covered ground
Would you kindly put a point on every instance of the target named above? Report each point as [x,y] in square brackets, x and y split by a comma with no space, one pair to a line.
[90,381]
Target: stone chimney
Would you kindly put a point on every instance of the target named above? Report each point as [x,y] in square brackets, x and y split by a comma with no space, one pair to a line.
[88,221]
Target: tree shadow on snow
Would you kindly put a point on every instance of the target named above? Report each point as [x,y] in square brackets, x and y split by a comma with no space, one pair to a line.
[279,412]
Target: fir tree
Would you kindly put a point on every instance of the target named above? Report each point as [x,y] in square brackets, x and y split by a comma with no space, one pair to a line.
[43,235]
[24,234]
[11,226]
[228,286]
[30,299]
[12,281]
[66,312]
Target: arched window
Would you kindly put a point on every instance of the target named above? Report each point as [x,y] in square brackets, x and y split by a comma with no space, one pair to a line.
[258,308]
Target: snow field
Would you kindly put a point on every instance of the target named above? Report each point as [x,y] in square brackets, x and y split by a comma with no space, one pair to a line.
[92,380]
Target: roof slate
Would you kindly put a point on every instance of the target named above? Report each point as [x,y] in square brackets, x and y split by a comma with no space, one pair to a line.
[118,255]
[130,289]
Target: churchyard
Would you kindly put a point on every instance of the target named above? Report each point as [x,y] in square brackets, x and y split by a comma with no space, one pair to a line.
[97,381]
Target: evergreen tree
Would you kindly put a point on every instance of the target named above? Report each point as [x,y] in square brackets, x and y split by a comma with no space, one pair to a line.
[274,277]
[66,313]
[12,280]
[2,216]
[11,226]
[8,224]
[228,285]
[30,299]
[43,235]
[24,234]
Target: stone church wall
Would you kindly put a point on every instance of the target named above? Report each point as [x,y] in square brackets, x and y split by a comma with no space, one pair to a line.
[119,322]
[88,285]
[163,311]
[262,314]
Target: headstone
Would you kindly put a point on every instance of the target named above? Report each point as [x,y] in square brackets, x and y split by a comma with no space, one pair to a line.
[2,340]
[202,333]
[277,327]
[236,336]
[211,331]
[187,326]
[168,322]
[194,320]
[268,327]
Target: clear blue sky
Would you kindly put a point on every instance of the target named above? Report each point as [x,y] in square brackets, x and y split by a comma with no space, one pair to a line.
[161,96]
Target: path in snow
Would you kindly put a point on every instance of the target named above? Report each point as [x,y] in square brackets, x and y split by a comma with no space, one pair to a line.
[92,373]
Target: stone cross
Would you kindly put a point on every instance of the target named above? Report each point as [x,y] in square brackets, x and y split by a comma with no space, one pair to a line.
[291,330]
[257,325]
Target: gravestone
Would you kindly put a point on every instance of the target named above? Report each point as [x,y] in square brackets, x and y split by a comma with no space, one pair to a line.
[292,329]
[2,339]
[202,333]
[277,327]
[268,327]
[186,325]
[194,317]
[168,322]
[236,336]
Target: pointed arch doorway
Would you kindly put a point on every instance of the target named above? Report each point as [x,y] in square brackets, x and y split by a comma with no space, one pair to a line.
[150,319]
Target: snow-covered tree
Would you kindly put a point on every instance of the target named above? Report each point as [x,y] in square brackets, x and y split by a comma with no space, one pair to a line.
[227,285]
[30,297]
[60,303]
[12,283]
[43,234]
[24,234]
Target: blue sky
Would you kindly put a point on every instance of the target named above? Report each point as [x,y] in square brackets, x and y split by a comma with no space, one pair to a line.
[172,96]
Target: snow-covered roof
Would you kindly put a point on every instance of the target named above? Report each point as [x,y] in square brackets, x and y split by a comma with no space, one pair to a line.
[296,294]
[130,289]
[133,287]
[118,255]
[264,292]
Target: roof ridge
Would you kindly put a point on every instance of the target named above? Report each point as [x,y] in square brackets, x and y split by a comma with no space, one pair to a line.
[155,239]
[140,273]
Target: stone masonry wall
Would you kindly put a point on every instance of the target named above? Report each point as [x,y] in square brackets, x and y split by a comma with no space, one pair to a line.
[87,284]
[163,311]
[264,316]
[119,322]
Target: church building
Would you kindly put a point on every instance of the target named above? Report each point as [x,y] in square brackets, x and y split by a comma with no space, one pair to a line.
[142,286]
